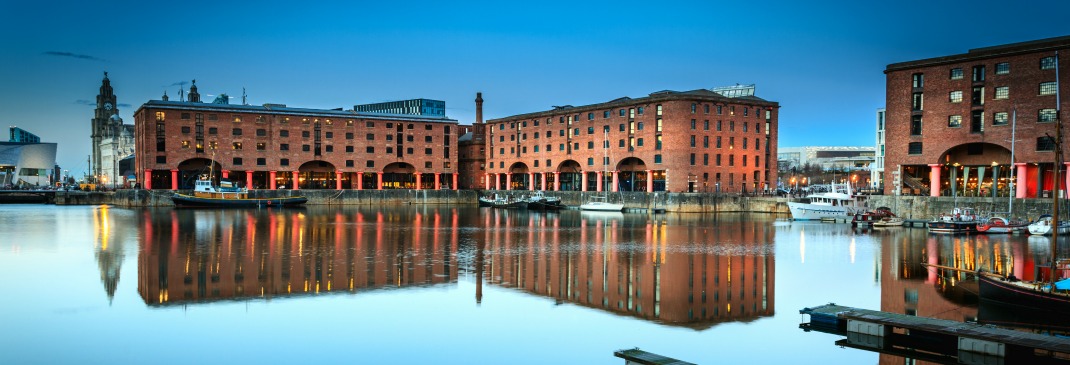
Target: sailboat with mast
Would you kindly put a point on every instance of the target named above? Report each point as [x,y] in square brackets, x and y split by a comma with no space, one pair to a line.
[1054,295]
[601,202]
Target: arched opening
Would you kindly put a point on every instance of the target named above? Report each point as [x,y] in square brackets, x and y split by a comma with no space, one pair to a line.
[316,175]
[399,175]
[633,175]
[571,175]
[519,173]
[190,170]
[983,169]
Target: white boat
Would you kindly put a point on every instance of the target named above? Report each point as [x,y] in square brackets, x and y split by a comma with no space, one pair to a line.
[1043,226]
[835,204]
[600,204]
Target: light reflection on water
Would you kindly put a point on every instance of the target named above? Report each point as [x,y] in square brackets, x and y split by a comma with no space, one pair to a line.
[486,285]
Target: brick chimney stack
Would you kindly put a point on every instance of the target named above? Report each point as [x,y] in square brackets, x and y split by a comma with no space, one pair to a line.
[479,108]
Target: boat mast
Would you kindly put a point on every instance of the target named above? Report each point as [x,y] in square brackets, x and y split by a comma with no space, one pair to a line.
[1011,192]
[1058,162]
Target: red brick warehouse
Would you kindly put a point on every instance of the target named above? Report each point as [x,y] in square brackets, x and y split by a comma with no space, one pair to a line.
[950,121]
[273,146]
[702,140]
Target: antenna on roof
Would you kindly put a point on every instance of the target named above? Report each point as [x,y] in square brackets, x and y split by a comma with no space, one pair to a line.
[243,96]
[181,95]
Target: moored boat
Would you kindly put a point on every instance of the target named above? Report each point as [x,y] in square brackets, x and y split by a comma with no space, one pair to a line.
[888,222]
[498,201]
[1009,290]
[601,204]
[208,195]
[959,220]
[1043,226]
[837,203]
[870,217]
[998,225]
[540,201]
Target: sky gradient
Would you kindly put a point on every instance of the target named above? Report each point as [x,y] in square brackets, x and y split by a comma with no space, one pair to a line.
[822,61]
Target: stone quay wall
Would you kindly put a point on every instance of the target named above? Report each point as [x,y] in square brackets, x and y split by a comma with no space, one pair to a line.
[671,202]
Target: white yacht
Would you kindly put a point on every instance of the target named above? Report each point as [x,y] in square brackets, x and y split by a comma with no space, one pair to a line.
[601,204]
[837,203]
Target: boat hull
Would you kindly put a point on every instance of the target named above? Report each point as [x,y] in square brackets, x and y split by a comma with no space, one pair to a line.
[996,290]
[942,227]
[890,222]
[545,205]
[805,211]
[187,201]
[602,207]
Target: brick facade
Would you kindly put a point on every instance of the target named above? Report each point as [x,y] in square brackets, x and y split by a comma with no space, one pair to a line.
[563,148]
[966,120]
[267,147]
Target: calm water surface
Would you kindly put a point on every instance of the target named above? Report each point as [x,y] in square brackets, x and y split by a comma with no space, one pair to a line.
[459,285]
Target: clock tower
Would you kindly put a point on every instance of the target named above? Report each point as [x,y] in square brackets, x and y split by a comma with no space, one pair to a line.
[104,126]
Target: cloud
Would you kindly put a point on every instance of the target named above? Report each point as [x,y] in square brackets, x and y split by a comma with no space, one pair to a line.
[85,102]
[123,105]
[180,83]
[74,55]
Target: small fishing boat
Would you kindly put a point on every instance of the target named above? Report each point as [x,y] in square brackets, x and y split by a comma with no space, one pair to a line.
[959,220]
[540,201]
[888,222]
[498,201]
[1000,225]
[868,218]
[1043,226]
[226,195]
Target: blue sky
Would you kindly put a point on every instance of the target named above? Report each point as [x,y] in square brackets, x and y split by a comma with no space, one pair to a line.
[822,61]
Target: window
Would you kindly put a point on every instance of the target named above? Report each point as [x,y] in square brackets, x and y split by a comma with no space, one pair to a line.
[657,110]
[657,142]
[694,107]
[657,158]
[692,124]
[369,149]
[370,163]
[622,113]
[260,161]
[956,74]
[185,130]
[186,115]
[213,130]
[692,159]
[978,97]
[236,132]
[1002,92]
[706,125]
[917,100]
[408,151]
[692,141]
[914,148]
[590,145]
[639,126]
[977,121]
[284,162]
[979,73]
[349,149]
[1046,116]
[1003,68]
[705,159]
[236,145]
[284,133]
[329,148]
[639,142]
[706,141]
[427,151]
[731,160]
[717,159]
[409,138]
[427,139]
[954,121]
[161,159]
[1046,63]
[918,80]
[590,116]
[620,143]
[590,130]
[212,117]
[349,163]
[718,141]
[915,125]
[185,144]
[260,132]
[1047,88]
[305,134]
[306,148]
[284,147]
[640,110]
[1045,143]
[999,118]
[955,96]
[590,161]
[605,114]
[349,135]
[428,127]
[329,134]
[718,126]
[237,161]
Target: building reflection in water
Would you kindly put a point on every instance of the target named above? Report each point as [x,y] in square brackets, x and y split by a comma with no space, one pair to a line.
[207,255]
[688,270]
[691,270]
[909,287]
[109,248]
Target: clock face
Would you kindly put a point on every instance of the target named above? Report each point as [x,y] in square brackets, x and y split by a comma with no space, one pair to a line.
[107,106]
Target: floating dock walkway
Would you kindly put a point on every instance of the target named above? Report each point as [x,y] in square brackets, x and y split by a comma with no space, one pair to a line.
[935,339]
[639,357]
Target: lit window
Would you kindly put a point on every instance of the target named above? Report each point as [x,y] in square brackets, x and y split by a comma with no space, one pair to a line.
[1002,92]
